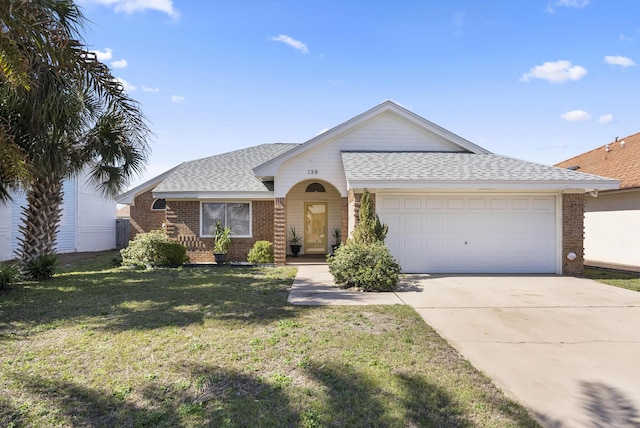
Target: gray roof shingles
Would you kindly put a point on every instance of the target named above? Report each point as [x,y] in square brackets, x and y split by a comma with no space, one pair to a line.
[227,172]
[437,166]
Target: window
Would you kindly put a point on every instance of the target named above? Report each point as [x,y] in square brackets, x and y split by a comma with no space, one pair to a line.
[315,187]
[235,215]
[159,205]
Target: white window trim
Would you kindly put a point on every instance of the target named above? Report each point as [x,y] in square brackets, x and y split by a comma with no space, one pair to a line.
[250,235]
[157,209]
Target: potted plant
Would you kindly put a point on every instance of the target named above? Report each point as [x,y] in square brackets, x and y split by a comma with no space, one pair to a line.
[295,241]
[337,239]
[221,245]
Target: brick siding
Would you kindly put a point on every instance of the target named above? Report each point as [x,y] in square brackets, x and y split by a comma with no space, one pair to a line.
[573,233]
[183,225]
[142,218]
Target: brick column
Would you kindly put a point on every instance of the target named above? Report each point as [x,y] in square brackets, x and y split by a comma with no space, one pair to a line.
[573,233]
[344,232]
[280,231]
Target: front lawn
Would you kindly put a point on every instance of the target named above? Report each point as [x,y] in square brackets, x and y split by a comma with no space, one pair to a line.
[628,280]
[109,347]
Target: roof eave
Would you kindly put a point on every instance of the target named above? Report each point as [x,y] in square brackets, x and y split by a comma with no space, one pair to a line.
[486,185]
[202,195]
[129,197]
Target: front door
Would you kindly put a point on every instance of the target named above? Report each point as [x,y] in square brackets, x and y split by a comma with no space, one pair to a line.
[315,227]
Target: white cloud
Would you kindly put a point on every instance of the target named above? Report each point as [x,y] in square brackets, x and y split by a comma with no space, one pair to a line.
[132,6]
[296,44]
[148,89]
[336,82]
[128,87]
[607,118]
[625,38]
[177,99]
[622,61]
[104,55]
[576,116]
[555,72]
[572,4]
[121,63]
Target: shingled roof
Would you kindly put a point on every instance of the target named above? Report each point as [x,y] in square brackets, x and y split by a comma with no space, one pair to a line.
[432,166]
[227,172]
[618,159]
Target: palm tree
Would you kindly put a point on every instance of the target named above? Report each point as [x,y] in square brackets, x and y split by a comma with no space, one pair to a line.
[46,33]
[61,111]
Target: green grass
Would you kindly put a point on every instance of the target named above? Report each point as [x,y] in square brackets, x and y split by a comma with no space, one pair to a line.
[103,347]
[628,280]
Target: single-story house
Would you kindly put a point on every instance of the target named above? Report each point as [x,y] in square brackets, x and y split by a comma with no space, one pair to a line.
[451,205]
[87,222]
[612,217]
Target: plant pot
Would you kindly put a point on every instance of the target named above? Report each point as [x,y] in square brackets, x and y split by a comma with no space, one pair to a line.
[220,258]
[295,249]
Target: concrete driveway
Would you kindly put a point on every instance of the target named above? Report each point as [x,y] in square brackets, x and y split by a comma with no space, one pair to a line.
[566,348]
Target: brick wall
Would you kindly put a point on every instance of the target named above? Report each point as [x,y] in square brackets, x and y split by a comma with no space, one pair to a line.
[573,233]
[280,232]
[142,218]
[183,225]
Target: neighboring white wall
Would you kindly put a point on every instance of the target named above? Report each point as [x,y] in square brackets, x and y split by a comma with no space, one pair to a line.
[612,227]
[96,219]
[386,132]
[5,231]
[612,237]
[87,221]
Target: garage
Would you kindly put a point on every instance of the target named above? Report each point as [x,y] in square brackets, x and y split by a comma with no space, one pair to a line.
[471,233]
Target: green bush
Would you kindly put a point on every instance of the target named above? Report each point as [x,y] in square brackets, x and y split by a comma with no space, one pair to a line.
[40,268]
[153,249]
[261,252]
[369,267]
[8,274]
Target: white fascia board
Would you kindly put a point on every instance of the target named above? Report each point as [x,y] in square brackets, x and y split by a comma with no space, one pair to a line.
[586,186]
[250,196]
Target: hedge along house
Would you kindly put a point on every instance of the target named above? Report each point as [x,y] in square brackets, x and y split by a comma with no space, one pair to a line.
[451,205]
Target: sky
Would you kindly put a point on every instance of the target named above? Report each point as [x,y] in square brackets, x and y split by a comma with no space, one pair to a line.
[538,80]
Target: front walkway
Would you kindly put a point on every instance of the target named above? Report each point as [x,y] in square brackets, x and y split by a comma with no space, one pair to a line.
[566,348]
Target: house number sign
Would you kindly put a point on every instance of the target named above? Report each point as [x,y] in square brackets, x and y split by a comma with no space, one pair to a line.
[312,172]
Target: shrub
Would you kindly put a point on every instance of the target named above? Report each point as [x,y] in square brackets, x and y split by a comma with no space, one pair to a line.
[369,228]
[153,249]
[8,274]
[261,252]
[41,268]
[370,267]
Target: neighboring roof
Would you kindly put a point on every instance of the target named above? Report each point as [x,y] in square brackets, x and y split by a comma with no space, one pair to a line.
[228,172]
[619,159]
[124,212]
[267,170]
[482,169]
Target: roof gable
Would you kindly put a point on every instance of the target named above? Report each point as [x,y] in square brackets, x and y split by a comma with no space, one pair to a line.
[619,159]
[419,135]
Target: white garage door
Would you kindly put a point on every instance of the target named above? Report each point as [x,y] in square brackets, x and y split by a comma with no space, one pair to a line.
[471,234]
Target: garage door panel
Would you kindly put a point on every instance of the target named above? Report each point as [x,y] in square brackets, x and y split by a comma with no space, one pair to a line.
[490,234]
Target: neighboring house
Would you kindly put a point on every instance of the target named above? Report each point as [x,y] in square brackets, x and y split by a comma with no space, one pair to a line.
[87,222]
[612,217]
[451,206]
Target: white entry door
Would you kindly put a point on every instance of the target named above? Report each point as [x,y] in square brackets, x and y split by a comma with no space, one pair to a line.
[471,234]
